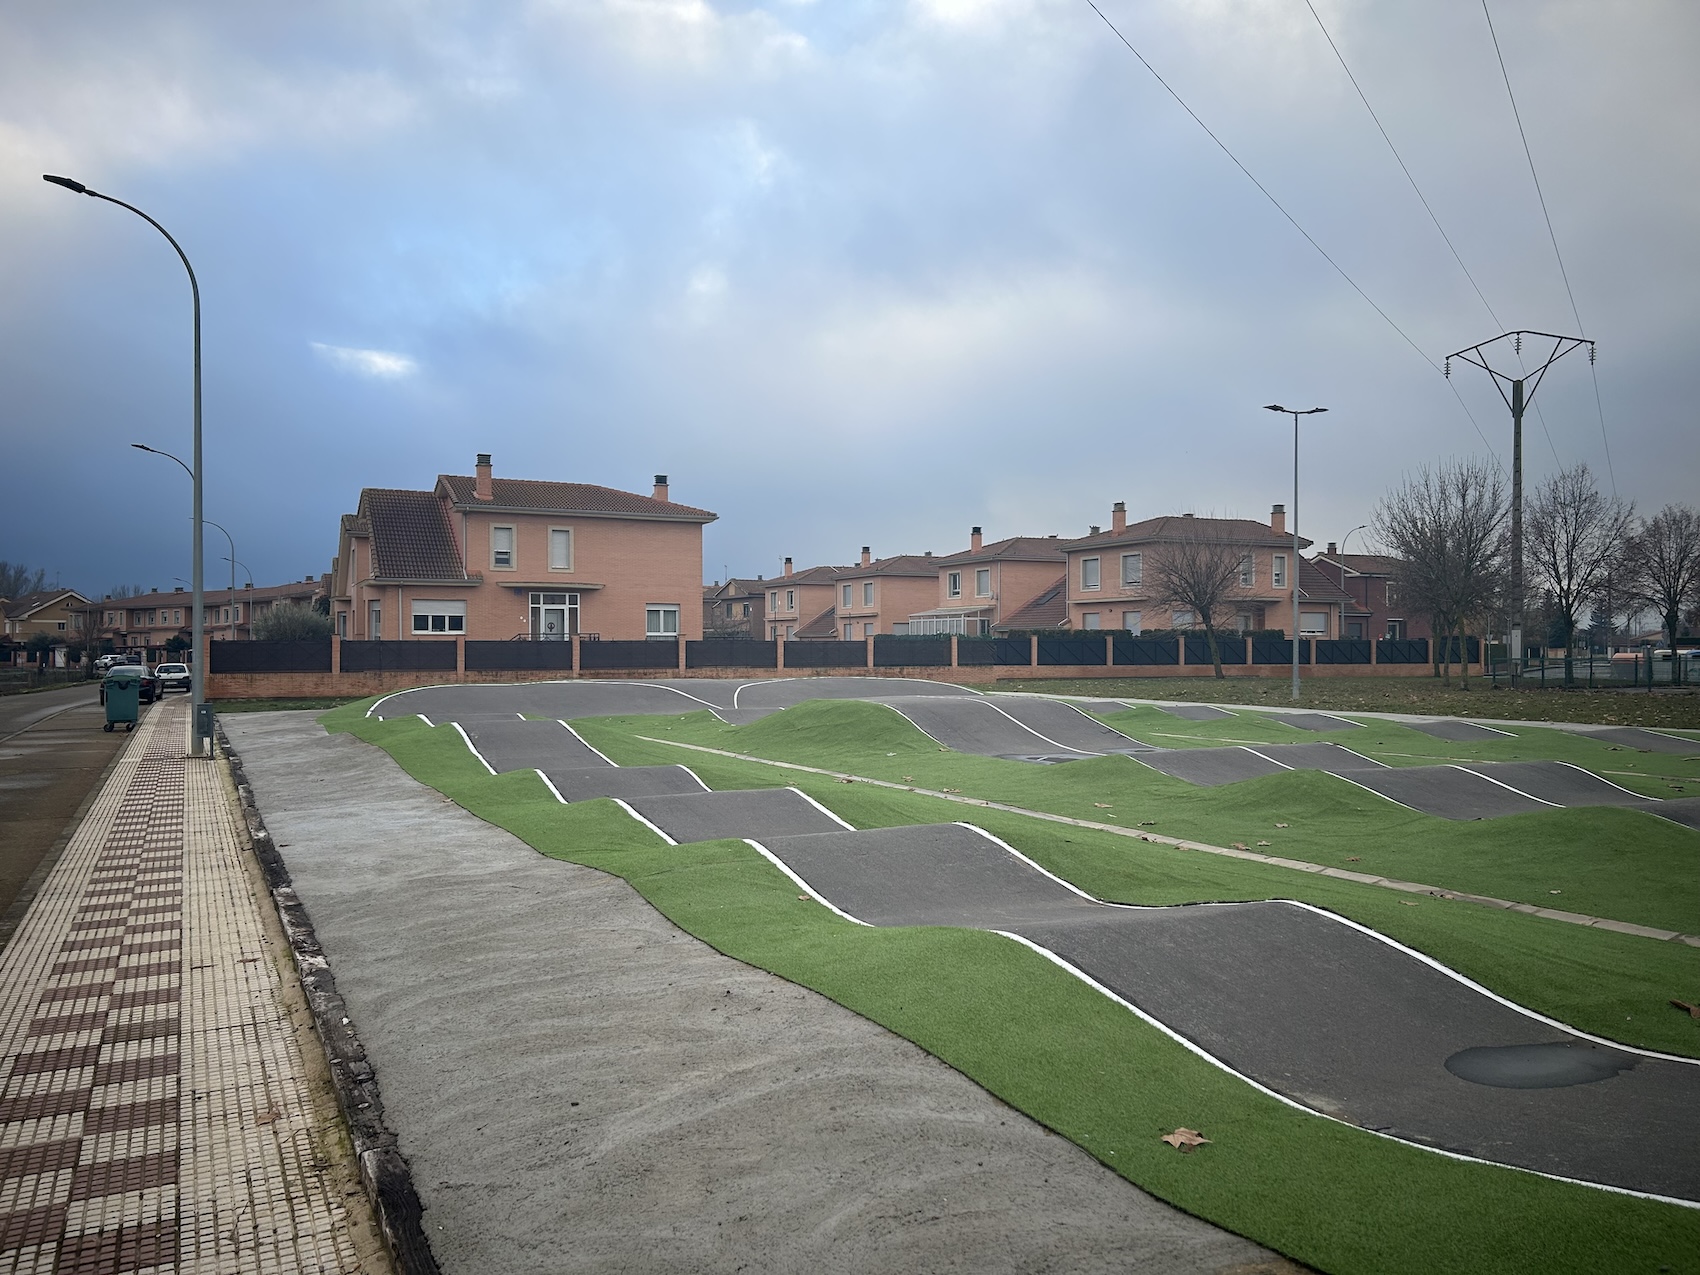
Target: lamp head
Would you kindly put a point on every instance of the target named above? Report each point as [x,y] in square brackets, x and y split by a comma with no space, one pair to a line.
[66,182]
[141,447]
[1273,407]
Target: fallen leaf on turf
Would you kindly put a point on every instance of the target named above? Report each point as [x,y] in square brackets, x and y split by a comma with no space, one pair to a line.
[1103,805]
[1185,1139]
[1692,1010]
[1354,858]
[1410,903]
[908,779]
[1240,845]
[846,781]
[802,898]
[950,790]
[1555,891]
[1280,825]
[1263,843]
[1147,823]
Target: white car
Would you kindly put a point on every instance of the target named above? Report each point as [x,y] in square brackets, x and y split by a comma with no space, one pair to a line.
[172,676]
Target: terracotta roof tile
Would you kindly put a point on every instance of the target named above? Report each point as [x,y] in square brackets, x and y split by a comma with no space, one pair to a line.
[1175,527]
[824,625]
[19,608]
[1047,611]
[1315,586]
[902,564]
[566,498]
[1023,548]
[411,538]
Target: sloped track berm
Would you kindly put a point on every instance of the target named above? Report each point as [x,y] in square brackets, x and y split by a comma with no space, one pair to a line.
[1318,1010]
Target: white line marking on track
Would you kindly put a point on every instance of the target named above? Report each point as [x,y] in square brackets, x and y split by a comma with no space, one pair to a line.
[693,774]
[426,720]
[1192,1048]
[461,730]
[1053,743]
[625,805]
[593,748]
[1508,788]
[547,783]
[1271,760]
[803,885]
[848,827]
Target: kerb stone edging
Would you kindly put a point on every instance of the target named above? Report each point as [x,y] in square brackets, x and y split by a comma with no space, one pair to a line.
[383,1169]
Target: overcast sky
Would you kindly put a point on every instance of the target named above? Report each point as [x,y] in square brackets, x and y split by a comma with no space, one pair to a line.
[850,272]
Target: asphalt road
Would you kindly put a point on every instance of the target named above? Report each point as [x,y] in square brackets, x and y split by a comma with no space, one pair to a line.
[52,755]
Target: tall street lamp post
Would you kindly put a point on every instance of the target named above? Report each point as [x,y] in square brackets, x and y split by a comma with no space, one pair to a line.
[1295,413]
[197,667]
[143,447]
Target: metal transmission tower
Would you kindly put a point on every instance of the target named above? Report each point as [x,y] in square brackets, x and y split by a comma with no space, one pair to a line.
[1518,392]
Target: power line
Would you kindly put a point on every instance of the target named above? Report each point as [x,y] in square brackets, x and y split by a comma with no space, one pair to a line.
[1551,234]
[1279,207]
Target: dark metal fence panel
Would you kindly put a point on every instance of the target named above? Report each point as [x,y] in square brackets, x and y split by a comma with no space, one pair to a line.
[893,651]
[1231,647]
[826,655]
[981,651]
[1141,650]
[399,655]
[1071,650]
[1401,651]
[731,653]
[629,654]
[1278,651]
[1010,651]
[311,656]
[1342,651]
[1452,648]
[491,656]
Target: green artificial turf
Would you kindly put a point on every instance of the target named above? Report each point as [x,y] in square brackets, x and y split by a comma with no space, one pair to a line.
[1666,707]
[1327,1194]
[1619,864]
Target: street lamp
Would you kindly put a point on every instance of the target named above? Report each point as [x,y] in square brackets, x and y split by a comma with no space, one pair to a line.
[143,447]
[1295,413]
[197,667]
[1362,526]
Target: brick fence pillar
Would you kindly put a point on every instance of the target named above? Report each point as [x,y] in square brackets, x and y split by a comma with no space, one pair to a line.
[779,651]
[336,655]
[1032,650]
[460,655]
[1109,648]
[681,652]
[576,641]
[869,639]
[953,642]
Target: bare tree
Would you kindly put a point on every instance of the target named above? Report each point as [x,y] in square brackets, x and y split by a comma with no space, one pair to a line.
[17,580]
[1446,525]
[1574,537]
[1663,569]
[1198,570]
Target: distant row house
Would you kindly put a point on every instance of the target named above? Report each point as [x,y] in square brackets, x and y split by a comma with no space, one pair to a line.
[159,621]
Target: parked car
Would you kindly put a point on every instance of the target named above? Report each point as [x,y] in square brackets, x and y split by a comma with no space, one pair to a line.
[147,692]
[104,662]
[172,677]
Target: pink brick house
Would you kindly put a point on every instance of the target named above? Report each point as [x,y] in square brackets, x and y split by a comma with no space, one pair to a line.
[801,600]
[879,595]
[499,558]
[984,586]
[1110,582]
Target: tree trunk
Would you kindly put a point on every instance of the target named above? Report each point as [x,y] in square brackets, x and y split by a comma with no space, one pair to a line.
[1464,656]
[1434,643]
[1673,623]
[1215,654]
[1570,652]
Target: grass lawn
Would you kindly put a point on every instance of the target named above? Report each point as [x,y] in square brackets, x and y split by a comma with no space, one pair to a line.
[1619,864]
[1327,1194]
[1678,707]
[1647,773]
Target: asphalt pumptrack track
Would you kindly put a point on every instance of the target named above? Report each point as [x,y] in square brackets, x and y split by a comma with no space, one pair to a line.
[1323,1013]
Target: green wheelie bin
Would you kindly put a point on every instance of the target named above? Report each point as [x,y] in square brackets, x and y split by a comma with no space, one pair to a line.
[122,691]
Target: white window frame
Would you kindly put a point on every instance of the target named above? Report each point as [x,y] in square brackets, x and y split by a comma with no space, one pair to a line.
[1308,627]
[953,584]
[655,617]
[983,582]
[849,595]
[554,559]
[1133,571]
[867,593]
[1131,622]
[374,621]
[1183,620]
[1090,575]
[1091,620]
[440,616]
[790,599]
[1248,571]
[849,632]
[1278,577]
[773,600]
[512,550]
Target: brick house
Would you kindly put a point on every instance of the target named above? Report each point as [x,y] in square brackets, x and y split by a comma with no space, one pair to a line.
[1371,580]
[980,588]
[735,609]
[880,594]
[57,613]
[147,622]
[1110,576]
[801,600]
[498,558]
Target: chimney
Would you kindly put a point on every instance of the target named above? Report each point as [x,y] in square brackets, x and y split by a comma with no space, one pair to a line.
[974,538]
[867,556]
[1093,530]
[1278,520]
[482,489]
[787,566]
[661,486]
[1333,548]
[249,585]
[1118,516]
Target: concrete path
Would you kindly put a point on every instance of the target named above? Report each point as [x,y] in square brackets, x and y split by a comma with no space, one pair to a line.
[157,1110]
[579,1086]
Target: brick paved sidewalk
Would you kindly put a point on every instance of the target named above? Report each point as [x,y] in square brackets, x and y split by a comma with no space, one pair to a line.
[156,1112]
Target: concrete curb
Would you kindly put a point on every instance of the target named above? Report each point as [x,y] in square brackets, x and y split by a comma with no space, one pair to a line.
[383,1169]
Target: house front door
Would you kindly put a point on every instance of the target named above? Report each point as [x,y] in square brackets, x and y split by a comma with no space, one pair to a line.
[554,616]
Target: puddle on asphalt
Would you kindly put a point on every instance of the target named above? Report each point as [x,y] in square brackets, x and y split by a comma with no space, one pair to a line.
[1549,1066]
